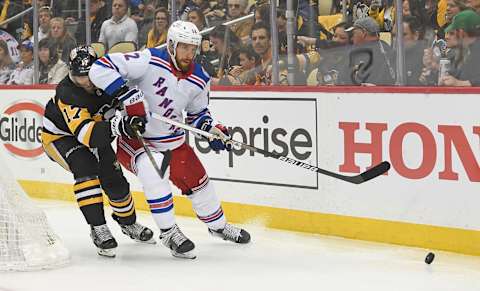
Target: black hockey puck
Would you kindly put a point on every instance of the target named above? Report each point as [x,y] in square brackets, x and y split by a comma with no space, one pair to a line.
[429,258]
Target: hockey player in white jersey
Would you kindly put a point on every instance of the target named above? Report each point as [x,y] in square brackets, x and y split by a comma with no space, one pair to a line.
[170,83]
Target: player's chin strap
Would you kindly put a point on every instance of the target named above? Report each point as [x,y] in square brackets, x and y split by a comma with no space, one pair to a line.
[173,55]
[371,173]
[167,155]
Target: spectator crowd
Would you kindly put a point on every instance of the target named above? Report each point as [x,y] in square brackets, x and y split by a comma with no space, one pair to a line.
[356,47]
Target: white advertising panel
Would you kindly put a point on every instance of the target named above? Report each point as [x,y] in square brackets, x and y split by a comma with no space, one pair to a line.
[431,140]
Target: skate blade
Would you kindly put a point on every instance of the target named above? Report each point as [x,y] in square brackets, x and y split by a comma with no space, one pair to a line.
[151,241]
[109,253]
[187,255]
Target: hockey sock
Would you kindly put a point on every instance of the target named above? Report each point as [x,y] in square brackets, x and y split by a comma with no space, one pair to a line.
[207,207]
[89,197]
[124,210]
[157,191]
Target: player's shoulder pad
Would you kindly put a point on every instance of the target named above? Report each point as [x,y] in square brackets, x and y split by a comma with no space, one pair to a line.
[69,93]
[200,72]
[160,53]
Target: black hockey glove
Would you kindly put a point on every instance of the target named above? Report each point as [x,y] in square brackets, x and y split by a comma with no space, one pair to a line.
[126,125]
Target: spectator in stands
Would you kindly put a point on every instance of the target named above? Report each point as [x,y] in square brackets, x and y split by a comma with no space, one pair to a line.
[474,4]
[44,17]
[370,60]
[226,52]
[207,56]
[158,34]
[261,42]
[12,45]
[217,13]
[185,6]
[236,9]
[146,21]
[23,74]
[120,27]
[61,38]
[99,12]
[52,69]
[9,9]
[414,47]
[333,56]
[447,9]
[196,17]
[431,59]
[466,26]
[244,74]
[454,7]
[202,5]
[6,64]
[262,13]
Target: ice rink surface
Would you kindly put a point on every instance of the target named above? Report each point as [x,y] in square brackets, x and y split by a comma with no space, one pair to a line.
[275,260]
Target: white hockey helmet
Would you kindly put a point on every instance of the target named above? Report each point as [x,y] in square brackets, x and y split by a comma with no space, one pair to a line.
[184,32]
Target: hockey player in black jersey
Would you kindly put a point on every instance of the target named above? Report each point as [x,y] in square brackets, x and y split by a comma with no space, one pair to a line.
[79,125]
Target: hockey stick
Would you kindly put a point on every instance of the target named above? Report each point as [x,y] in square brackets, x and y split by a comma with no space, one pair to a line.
[166,156]
[358,179]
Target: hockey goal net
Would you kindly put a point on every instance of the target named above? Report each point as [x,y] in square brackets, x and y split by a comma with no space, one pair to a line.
[26,240]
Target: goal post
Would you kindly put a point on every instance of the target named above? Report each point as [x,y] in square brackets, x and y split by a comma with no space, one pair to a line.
[26,240]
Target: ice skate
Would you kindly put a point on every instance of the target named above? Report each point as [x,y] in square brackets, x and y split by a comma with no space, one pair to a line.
[179,245]
[138,232]
[232,233]
[103,240]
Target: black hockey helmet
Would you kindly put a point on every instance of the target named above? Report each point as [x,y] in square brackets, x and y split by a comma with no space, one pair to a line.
[81,60]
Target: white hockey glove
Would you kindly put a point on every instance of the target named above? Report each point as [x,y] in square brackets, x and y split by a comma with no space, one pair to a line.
[133,101]
[127,125]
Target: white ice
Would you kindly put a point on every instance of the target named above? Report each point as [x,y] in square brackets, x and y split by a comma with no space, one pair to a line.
[275,260]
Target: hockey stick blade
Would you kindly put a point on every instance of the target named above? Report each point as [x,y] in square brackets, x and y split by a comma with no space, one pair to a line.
[358,179]
[371,173]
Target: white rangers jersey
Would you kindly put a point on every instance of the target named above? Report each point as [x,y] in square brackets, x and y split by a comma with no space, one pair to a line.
[165,93]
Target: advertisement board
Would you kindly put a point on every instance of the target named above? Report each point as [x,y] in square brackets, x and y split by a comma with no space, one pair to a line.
[431,140]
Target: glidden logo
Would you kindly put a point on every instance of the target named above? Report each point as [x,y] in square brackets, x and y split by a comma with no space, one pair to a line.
[20,128]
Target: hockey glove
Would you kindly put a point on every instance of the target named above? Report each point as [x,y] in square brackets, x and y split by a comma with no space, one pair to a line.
[127,125]
[221,141]
[133,101]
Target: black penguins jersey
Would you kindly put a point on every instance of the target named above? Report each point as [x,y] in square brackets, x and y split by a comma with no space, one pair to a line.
[76,112]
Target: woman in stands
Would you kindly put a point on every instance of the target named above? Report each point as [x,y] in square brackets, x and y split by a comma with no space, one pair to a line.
[196,17]
[52,69]
[158,34]
[60,36]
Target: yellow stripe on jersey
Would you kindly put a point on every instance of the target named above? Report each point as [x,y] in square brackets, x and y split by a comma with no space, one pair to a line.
[87,184]
[123,203]
[90,201]
[73,116]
